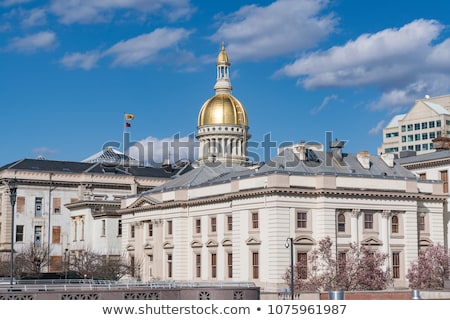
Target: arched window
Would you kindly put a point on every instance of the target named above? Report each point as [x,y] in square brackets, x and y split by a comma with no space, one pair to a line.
[394,224]
[341,222]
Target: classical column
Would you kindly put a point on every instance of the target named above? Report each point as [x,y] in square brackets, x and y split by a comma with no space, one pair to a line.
[384,235]
[354,231]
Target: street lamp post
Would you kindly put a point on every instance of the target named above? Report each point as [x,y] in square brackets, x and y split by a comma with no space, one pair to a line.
[12,197]
[289,244]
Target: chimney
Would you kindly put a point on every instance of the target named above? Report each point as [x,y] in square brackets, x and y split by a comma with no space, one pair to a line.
[388,158]
[364,159]
[336,149]
[300,150]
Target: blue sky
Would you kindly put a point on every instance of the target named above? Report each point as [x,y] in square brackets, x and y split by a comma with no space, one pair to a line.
[70,69]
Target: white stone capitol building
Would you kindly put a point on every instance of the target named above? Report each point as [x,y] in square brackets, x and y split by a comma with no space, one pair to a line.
[221,219]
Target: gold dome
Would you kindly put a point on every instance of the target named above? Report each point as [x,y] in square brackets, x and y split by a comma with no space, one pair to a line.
[222,108]
[222,58]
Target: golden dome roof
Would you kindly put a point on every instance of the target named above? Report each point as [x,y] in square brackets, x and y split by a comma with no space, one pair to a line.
[222,58]
[222,108]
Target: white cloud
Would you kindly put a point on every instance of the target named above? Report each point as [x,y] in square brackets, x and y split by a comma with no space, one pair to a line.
[34,17]
[324,103]
[395,60]
[44,151]
[45,40]
[94,11]
[283,27]
[85,61]
[377,129]
[145,48]
[8,3]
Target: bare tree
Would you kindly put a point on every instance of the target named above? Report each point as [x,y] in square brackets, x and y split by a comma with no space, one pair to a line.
[93,265]
[31,260]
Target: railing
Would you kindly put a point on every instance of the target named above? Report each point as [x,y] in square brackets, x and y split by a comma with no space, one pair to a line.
[91,285]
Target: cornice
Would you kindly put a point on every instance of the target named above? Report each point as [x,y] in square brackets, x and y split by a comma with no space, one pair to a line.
[308,192]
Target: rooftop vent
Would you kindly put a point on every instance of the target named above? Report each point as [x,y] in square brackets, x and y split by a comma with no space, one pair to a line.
[364,159]
[336,149]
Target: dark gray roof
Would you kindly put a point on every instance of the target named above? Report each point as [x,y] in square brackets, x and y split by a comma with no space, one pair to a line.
[430,156]
[322,162]
[317,163]
[84,167]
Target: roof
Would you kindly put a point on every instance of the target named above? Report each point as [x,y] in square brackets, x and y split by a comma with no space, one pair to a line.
[394,122]
[425,157]
[85,167]
[436,107]
[316,163]
[109,154]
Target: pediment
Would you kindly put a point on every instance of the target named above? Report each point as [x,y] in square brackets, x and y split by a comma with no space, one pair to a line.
[130,247]
[253,241]
[371,241]
[226,243]
[148,246]
[143,201]
[196,244]
[304,240]
[212,243]
[168,245]
[425,242]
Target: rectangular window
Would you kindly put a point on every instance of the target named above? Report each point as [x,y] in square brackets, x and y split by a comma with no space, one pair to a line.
[403,128]
[417,147]
[394,224]
[38,207]
[403,138]
[198,265]
[396,265]
[213,265]
[410,137]
[169,266]
[424,125]
[425,146]
[230,265]
[302,260]
[438,123]
[19,233]
[342,260]
[410,127]
[432,135]
[255,265]
[169,227]
[20,205]
[417,126]
[56,205]
[198,226]
[302,221]
[255,220]
[132,232]
[150,229]
[56,234]
[37,236]
[103,231]
[422,222]
[431,124]
[424,136]
[444,178]
[119,228]
[368,220]
[213,222]
[417,136]
[229,223]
